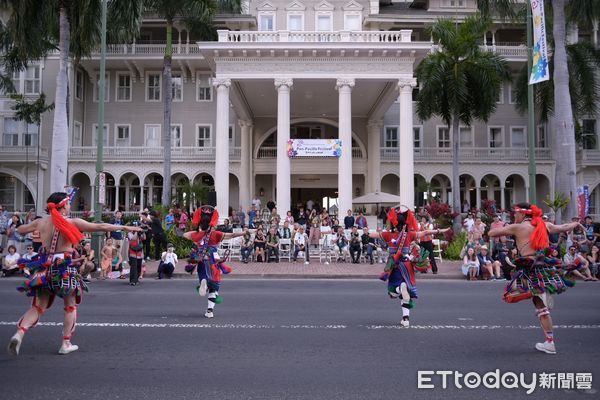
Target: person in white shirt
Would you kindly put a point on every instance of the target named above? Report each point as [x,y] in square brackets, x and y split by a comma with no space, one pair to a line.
[256,203]
[9,264]
[300,244]
[167,264]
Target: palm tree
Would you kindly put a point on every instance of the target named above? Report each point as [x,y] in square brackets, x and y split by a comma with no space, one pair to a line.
[573,91]
[197,16]
[459,82]
[38,27]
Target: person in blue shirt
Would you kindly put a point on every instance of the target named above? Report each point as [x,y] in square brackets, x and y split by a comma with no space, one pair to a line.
[349,220]
[169,219]
[251,217]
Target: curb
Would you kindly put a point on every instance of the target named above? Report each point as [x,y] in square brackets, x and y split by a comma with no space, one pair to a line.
[180,275]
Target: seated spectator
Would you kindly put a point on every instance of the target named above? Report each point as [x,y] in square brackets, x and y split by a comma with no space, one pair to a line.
[289,218]
[246,247]
[300,244]
[87,264]
[342,244]
[577,265]
[117,262]
[9,264]
[285,232]
[470,267]
[29,252]
[272,244]
[226,227]
[368,244]
[259,245]
[381,248]
[355,245]
[594,259]
[591,231]
[490,266]
[168,261]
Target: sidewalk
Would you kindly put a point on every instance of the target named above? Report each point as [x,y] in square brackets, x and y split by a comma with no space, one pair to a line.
[297,270]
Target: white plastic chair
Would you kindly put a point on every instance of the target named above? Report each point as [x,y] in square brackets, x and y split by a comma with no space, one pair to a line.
[437,249]
[285,249]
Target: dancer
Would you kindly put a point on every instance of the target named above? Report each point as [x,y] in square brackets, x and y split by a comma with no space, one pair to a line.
[52,272]
[535,276]
[405,256]
[205,256]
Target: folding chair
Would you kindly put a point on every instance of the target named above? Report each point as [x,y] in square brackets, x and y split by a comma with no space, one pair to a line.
[437,249]
[285,249]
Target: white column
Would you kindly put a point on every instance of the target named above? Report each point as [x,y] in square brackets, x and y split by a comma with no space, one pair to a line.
[222,147]
[127,194]
[283,184]
[478,197]
[407,167]
[93,197]
[116,197]
[502,199]
[374,154]
[595,32]
[245,168]
[344,87]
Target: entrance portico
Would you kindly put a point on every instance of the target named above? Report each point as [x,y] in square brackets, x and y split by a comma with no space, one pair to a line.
[272,82]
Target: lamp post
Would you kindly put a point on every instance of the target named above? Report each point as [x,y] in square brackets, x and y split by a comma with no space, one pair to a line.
[530,111]
[97,236]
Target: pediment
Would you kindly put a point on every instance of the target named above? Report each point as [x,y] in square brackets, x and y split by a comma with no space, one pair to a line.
[266,6]
[352,6]
[324,6]
[295,6]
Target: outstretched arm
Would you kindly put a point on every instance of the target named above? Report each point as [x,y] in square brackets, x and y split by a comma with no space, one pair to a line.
[563,227]
[234,235]
[507,230]
[28,228]
[431,232]
[85,226]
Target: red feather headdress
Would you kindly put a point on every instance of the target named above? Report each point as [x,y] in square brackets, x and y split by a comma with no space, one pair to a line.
[411,221]
[206,210]
[539,238]
[66,228]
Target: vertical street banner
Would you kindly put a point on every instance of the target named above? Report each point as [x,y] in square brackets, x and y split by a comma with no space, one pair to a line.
[583,201]
[539,66]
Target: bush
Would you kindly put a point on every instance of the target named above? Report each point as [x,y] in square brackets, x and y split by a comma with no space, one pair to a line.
[456,246]
[183,247]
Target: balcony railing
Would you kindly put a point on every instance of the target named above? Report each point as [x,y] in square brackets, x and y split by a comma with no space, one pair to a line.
[588,156]
[22,153]
[149,49]
[402,36]
[271,152]
[88,153]
[482,154]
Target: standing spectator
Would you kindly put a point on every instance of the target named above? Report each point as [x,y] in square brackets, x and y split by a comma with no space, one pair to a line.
[355,245]
[470,267]
[136,255]
[382,216]
[426,242]
[300,244]
[591,231]
[256,203]
[576,237]
[498,240]
[168,261]
[158,235]
[310,205]
[235,219]
[315,228]
[251,217]
[106,260]
[14,238]
[87,264]
[181,223]
[477,232]
[3,226]
[349,220]
[361,221]
[368,244]
[492,267]
[274,218]
[9,264]
[259,245]
[594,260]
[117,236]
[272,244]
[145,224]
[465,206]
[246,247]
[169,219]
[302,217]
[242,217]
[270,205]
[468,225]
[289,218]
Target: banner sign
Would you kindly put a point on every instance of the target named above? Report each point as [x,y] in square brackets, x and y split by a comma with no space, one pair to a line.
[583,201]
[539,66]
[102,188]
[314,148]
[71,191]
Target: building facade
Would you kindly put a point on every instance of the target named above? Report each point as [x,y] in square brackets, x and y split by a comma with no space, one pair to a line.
[340,69]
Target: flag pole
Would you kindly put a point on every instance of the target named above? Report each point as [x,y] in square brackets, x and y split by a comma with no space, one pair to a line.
[530,111]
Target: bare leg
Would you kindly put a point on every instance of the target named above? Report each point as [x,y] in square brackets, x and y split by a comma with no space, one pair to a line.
[496,267]
[29,320]
[490,271]
[578,274]
[69,324]
[543,314]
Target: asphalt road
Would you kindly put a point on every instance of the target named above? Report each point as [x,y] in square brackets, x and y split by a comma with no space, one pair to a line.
[296,339]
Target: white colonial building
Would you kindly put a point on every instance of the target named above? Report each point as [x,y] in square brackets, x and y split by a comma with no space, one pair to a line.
[341,69]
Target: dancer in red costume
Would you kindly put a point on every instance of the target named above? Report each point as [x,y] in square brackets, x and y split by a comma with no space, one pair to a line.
[52,271]
[536,276]
[404,255]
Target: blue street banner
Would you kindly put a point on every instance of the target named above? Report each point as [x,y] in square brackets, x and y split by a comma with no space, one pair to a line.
[539,66]
[583,201]
[314,148]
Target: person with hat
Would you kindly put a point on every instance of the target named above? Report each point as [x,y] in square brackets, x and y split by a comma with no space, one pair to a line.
[405,254]
[535,275]
[168,261]
[52,272]
[205,258]
[490,266]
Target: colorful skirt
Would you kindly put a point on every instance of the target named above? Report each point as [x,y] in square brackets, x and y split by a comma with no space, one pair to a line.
[535,276]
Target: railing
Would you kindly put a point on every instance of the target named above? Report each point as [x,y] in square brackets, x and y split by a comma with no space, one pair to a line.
[271,152]
[590,155]
[81,214]
[149,49]
[88,153]
[402,36]
[483,154]
[22,153]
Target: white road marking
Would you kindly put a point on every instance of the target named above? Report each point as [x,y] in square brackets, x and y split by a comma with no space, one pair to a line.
[299,326]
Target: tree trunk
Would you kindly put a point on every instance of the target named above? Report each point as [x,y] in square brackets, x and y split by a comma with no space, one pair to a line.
[168,94]
[60,130]
[457,225]
[562,119]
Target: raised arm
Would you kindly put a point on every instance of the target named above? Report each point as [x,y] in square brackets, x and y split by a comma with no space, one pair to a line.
[85,226]
[563,227]
[28,228]
[507,230]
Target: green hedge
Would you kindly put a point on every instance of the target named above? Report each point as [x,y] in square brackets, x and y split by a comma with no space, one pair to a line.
[455,247]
